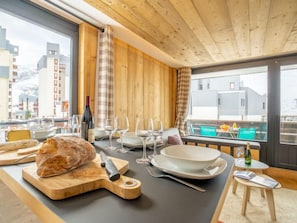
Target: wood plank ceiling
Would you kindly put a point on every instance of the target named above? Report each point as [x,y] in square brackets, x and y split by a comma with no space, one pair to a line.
[206,32]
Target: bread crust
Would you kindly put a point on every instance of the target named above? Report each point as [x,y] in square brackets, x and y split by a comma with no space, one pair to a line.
[59,155]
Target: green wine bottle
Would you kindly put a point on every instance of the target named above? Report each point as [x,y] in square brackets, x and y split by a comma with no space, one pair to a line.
[248,155]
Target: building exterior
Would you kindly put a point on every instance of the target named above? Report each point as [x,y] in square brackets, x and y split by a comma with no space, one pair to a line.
[53,69]
[28,107]
[223,98]
[8,52]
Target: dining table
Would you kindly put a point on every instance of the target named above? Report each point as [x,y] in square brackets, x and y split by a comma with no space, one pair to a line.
[161,199]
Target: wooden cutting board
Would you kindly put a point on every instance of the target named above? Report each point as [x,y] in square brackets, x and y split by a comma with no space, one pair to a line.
[83,179]
[10,157]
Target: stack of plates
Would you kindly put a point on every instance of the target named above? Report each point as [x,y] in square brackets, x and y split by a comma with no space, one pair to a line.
[191,162]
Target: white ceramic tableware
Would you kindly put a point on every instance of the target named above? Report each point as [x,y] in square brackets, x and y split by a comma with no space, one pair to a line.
[190,157]
[99,132]
[131,139]
[165,165]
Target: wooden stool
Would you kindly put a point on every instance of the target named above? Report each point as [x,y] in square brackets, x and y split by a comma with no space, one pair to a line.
[256,166]
[247,190]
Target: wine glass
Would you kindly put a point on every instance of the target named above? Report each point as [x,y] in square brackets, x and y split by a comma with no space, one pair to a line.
[110,127]
[48,122]
[157,133]
[144,130]
[122,128]
[239,153]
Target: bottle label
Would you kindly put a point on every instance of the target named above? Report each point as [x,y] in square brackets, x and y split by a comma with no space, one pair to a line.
[91,135]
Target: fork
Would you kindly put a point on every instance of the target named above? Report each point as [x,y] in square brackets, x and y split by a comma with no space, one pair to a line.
[153,174]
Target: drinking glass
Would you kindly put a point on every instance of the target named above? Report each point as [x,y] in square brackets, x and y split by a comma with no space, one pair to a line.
[157,133]
[75,124]
[68,126]
[239,154]
[144,130]
[122,128]
[2,136]
[110,127]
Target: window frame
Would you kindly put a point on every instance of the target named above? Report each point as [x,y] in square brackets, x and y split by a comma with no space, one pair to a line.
[33,13]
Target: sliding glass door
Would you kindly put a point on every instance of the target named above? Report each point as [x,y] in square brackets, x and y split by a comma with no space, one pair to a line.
[258,94]
[287,143]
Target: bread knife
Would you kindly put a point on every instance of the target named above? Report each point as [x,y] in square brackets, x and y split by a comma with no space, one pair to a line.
[110,168]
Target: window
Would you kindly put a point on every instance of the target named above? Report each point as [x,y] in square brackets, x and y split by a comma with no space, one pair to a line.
[33,58]
[235,98]
[232,85]
[242,102]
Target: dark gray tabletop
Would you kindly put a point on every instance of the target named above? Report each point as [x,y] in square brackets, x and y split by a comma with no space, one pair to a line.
[162,200]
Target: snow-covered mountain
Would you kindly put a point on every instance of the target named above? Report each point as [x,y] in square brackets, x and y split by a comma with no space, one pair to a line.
[25,83]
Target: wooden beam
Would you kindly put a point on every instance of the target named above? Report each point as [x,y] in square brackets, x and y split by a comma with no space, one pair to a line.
[88,36]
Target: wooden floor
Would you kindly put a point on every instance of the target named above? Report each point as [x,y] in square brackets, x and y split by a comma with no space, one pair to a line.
[12,210]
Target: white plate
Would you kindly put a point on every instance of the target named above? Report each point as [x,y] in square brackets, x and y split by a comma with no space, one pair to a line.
[165,165]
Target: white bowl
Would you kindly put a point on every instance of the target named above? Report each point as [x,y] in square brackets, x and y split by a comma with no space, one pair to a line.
[131,139]
[99,132]
[191,157]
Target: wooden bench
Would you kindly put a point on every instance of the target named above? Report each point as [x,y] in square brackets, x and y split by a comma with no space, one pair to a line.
[232,143]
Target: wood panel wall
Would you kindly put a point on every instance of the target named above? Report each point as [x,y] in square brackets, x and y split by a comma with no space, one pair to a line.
[87,54]
[143,85]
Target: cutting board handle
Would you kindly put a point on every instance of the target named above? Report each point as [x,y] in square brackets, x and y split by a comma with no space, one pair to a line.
[125,187]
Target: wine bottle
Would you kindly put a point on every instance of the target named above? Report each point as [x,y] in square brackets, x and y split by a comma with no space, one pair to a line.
[87,123]
[248,155]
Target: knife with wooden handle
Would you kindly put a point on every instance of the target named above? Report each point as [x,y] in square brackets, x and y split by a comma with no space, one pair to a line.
[110,168]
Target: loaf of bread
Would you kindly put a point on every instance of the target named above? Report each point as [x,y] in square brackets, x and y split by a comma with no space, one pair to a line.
[59,155]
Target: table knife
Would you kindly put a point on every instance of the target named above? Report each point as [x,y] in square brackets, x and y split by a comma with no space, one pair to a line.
[110,168]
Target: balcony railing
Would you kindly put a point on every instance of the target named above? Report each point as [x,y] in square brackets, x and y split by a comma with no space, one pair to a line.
[288,128]
[11,124]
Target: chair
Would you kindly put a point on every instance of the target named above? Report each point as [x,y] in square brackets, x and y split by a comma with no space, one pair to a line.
[14,135]
[208,130]
[247,133]
[192,131]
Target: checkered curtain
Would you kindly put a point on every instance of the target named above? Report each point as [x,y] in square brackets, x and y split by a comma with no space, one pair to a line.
[182,102]
[104,86]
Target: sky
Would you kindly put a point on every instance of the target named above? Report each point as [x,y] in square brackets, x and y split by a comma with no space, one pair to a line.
[31,39]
